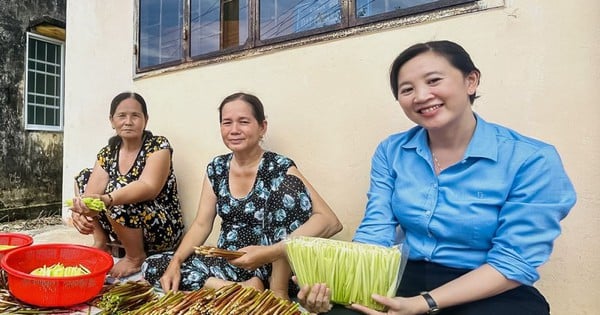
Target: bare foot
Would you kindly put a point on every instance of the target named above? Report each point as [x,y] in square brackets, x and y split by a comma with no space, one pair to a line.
[254,282]
[127,266]
[282,294]
[216,283]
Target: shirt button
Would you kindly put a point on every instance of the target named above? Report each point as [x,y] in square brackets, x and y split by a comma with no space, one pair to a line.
[430,235]
[427,259]
[427,213]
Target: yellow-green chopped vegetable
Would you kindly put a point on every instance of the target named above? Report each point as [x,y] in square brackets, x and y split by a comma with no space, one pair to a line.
[95,204]
[60,270]
[3,246]
[353,271]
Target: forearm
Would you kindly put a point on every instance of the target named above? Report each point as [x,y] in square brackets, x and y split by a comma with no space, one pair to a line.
[150,183]
[478,284]
[280,277]
[137,191]
[314,226]
[196,236]
[319,225]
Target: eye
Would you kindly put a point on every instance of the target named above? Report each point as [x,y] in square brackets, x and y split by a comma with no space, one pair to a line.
[434,81]
[225,122]
[405,90]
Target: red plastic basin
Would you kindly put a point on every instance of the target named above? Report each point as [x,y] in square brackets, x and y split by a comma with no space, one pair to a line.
[14,239]
[55,291]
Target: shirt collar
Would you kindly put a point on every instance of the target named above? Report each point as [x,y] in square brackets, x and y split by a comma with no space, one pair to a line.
[484,143]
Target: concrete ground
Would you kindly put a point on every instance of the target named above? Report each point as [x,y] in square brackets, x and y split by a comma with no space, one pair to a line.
[60,234]
[62,231]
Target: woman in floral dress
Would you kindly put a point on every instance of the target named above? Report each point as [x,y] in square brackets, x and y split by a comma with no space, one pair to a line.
[134,177]
[261,198]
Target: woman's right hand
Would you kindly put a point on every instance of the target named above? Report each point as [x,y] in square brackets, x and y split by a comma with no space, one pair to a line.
[171,278]
[80,207]
[314,299]
[83,224]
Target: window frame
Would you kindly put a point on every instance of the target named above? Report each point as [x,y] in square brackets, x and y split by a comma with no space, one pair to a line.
[348,25]
[61,106]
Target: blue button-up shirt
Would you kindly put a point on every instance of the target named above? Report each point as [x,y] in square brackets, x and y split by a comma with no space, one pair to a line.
[501,204]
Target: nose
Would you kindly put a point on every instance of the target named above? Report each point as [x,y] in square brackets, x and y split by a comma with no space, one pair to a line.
[422,94]
[235,127]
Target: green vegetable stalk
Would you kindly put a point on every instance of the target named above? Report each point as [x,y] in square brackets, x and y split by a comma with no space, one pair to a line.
[353,271]
[60,270]
[92,203]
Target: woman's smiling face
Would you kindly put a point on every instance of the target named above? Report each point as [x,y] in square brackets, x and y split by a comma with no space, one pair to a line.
[239,128]
[432,92]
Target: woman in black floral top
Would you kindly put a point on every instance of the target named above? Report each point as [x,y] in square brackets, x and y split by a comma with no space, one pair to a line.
[261,197]
[134,177]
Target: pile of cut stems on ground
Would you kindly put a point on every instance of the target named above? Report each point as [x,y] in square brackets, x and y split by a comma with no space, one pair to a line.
[138,298]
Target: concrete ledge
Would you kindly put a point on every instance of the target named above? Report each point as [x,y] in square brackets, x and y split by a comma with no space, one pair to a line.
[30,212]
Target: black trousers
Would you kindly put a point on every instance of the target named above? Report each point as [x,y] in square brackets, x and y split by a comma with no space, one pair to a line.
[422,276]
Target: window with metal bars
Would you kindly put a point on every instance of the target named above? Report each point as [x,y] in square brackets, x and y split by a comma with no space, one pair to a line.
[44,83]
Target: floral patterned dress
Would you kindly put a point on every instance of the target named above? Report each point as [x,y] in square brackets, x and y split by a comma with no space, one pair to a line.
[277,205]
[160,219]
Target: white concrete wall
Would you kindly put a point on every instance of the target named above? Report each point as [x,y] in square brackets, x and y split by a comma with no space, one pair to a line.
[98,66]
[328,105]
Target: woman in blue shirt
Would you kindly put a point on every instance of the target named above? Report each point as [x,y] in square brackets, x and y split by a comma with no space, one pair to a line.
[480,204]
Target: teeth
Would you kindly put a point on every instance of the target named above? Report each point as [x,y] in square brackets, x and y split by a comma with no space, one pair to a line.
[430,109]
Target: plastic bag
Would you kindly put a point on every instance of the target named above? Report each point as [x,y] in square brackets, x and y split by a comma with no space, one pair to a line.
[352,271]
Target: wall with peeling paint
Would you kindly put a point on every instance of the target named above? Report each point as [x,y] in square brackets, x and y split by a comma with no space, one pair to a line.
[30,162]
[328,105]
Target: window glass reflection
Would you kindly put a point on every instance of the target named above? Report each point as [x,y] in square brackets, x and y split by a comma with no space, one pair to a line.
[161,23]
[366,8]
[209,33]
[285,17]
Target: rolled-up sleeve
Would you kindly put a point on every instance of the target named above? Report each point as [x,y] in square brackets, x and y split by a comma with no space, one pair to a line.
[529,221]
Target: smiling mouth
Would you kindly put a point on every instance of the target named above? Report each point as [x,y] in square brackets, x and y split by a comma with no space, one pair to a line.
[429,109]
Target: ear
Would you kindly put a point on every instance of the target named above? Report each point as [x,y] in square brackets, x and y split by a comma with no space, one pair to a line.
[264,127]
[472,82]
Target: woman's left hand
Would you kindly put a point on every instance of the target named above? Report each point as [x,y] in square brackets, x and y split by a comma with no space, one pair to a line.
[255,257]
[396,306]
[83,224]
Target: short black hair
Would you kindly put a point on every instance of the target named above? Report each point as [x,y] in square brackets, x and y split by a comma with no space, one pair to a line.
[453,52]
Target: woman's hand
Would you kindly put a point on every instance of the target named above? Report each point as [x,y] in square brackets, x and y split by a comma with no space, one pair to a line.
[83,224]
[396,305]
[255,257]
[80,207]
[314,299]
[171,278]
